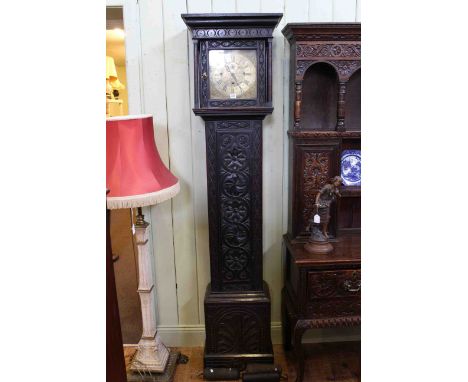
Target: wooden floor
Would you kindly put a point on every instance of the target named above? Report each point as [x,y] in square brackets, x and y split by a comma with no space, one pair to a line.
[332,362]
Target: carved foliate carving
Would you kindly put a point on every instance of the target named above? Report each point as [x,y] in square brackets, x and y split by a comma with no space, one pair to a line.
[234,328]
[344,68]
[261,72]
[328,50]
[304,134]
[316,172]
[235,175]
[323,284]
[334,284]
[327,37]
[204,70]
[316,168]
[335,308]
[232,43]
[302,66]
[329,322]
[234,186]
[237,330]
[233,103]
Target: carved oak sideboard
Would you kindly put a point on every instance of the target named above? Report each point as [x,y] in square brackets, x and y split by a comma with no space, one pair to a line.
[325,119]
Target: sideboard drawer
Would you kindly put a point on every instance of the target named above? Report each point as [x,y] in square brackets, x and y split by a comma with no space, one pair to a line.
[335,307]
[330,284]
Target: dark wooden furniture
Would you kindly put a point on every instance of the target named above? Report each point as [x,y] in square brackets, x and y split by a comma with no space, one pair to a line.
[115,361]
[233,94]
[322,290]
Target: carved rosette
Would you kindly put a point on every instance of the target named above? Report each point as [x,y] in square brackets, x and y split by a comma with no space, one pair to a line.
[231,32]
[234,186]
[328,50]
[345,57]
[235,204]
[316,174]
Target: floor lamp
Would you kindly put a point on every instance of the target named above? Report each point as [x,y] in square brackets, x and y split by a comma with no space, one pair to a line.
[137,177]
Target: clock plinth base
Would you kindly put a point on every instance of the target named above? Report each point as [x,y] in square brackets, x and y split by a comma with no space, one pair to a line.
[237,328]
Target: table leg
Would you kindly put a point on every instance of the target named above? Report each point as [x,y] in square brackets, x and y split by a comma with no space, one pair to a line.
[299,330]
[286,325]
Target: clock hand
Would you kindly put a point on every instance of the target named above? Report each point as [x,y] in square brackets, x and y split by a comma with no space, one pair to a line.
[233,77]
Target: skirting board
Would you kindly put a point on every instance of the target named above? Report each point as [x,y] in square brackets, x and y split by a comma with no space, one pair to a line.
[194,335]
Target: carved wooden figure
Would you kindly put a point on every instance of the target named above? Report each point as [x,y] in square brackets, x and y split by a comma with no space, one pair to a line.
[233,90]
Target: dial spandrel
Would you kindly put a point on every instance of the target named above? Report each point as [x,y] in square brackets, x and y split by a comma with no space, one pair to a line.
[233,74]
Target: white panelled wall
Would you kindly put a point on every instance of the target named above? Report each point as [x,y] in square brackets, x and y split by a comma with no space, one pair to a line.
[160,81]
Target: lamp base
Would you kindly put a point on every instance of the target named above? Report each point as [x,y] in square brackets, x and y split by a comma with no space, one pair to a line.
[151,355]
[166,376]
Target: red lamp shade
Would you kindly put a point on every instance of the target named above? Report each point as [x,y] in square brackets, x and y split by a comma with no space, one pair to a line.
[135,173]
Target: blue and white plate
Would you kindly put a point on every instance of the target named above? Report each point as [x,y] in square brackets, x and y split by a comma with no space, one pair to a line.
[351,167]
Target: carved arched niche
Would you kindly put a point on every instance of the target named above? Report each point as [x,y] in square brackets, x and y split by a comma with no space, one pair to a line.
[353,102]
[319,98]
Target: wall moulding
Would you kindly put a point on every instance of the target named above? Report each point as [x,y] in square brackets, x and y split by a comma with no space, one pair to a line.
[194,335]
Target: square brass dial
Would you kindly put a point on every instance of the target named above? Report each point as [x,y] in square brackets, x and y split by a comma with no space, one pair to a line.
[233,73]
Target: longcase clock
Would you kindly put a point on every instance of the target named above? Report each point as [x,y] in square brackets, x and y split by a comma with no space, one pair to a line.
[233,94]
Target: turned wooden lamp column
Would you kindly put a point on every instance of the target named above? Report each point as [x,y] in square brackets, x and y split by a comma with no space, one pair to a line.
[137,177]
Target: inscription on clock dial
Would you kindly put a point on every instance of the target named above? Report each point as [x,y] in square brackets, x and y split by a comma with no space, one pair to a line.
[233,74]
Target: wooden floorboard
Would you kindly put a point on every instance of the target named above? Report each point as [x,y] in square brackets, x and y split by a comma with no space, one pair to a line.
[331,362]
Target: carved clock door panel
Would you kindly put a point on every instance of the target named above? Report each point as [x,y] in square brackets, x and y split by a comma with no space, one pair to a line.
[235,198]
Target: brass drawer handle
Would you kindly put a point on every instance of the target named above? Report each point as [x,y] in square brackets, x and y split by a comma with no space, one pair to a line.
[352,286]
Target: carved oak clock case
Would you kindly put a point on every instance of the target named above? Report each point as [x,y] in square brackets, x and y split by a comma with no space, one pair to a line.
[233,91]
